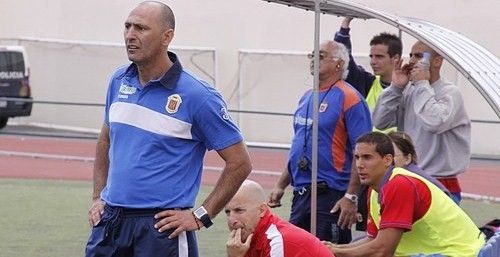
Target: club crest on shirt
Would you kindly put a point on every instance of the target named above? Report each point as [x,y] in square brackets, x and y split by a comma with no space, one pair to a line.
[322,107]
[173,103]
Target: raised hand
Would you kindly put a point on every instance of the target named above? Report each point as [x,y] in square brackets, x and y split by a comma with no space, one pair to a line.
[346,22]
[418,73]
[401,74]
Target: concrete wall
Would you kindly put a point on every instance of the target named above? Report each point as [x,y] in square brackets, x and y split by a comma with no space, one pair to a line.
[228,26]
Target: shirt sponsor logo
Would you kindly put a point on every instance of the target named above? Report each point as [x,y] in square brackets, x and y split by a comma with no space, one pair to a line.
[127,90]
[173,103]
[303,121]
[11,75]
[123,96]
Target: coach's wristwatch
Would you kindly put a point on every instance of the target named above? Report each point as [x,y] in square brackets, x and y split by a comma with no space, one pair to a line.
[202,214]
[352,198]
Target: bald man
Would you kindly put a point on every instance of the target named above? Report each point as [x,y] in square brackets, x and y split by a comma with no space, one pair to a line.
[159,122]
[431,110]
[256,232]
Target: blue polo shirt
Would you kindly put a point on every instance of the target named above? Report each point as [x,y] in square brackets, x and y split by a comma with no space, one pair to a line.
[343,117]
[159,134]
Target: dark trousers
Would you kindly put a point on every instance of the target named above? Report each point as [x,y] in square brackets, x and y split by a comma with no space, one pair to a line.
[131,233]
[362,208]
[326,222]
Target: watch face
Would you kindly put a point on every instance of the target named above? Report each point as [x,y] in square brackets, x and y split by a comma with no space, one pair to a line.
[353,198]
[200,212]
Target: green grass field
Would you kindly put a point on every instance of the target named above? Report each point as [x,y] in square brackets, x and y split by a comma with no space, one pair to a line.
[49,219]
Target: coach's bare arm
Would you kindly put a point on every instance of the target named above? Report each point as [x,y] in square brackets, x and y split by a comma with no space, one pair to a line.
[101,166]
[236,170]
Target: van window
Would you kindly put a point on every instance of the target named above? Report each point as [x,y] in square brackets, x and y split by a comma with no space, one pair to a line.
[11,61]
[11,65]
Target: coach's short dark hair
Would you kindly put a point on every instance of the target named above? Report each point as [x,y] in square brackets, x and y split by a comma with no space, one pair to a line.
[393,43]
[382,142]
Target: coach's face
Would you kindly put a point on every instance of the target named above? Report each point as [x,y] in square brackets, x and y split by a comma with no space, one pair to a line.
[244,212]
[146,36]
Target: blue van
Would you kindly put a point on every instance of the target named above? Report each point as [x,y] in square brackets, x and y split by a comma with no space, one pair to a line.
[14,83]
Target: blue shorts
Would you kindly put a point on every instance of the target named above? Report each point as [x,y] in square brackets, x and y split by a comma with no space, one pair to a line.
[326,222]
[131,233]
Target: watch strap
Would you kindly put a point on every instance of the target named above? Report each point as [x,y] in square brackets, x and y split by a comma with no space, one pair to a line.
[207,222]
[352,197]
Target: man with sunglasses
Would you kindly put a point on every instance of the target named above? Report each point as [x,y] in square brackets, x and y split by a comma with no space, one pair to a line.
[431,110]
[343,117]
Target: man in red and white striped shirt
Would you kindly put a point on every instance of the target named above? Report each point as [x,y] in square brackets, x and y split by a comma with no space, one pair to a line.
[256,231]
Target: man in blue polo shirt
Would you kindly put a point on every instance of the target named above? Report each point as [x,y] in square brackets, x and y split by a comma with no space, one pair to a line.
[159,122]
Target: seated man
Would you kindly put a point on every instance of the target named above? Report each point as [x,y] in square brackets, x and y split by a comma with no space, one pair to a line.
[255,231]
[408,215]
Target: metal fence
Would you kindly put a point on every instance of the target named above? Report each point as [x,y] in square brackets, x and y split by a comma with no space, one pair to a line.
[78,72]
[69,81]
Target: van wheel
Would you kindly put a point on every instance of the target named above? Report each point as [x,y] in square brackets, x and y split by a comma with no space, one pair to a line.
[3,121]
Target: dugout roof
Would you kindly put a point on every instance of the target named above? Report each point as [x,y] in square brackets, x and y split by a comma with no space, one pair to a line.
[474,62]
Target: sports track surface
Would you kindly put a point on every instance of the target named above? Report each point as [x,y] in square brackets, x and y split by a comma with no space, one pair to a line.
[72,159]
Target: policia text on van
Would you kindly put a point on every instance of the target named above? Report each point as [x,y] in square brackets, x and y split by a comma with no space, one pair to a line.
[14,83]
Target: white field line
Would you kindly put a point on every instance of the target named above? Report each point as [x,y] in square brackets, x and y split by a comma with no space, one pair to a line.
[476,197]
[47,156]
[91,159]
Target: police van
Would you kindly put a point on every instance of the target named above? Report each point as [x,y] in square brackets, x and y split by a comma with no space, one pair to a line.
[14,83]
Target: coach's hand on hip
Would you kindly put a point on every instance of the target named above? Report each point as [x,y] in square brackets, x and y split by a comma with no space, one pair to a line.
[180,220]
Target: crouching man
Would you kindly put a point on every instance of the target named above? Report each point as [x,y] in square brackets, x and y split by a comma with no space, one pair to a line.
[408,214]
[256,232]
